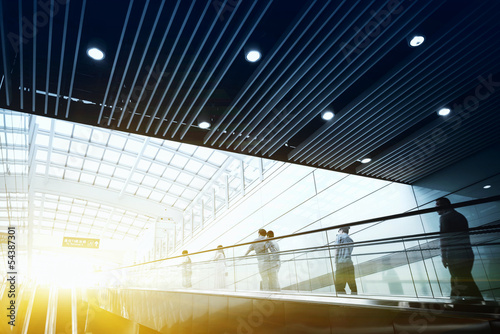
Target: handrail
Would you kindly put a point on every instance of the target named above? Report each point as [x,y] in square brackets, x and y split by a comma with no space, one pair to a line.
[417,237]
[356,223]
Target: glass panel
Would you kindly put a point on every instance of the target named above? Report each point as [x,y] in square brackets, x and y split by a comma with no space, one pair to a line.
[127,160]
[61,127]
[133,146]
[217,158]
[117,141]
[82,132]
[156,169]
[99,136]
[178,161]
[60,144]
[186,148]
[203,153]
[193,166]
[111,156]
[184,178]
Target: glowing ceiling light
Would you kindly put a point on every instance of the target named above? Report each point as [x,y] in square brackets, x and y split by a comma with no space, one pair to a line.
[253,56]
[366,160]
[204,125]
[444,111]
[417,40]
[327,115]
[95,53]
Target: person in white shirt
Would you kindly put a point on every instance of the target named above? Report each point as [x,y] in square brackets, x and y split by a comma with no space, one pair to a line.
[260,250]
[220,268]
[273,249]
[186,270]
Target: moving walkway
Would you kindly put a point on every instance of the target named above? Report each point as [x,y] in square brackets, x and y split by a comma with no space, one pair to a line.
[402,288]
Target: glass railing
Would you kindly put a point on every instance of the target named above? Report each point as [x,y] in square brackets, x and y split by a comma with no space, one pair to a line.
[392,263]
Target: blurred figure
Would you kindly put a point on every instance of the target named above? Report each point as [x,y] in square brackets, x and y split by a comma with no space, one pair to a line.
[260,250]
[456,252]
[344,273]
[186,270]
[220,268]
[273,249]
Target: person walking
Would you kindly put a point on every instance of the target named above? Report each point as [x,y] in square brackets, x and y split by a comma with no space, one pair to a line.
[273,249]
[456,252]
[220,268]
[186,270]
[344,273]
[262,260]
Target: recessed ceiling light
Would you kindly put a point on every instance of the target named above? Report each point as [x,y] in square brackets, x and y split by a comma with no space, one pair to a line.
[444,111]
[327,115]
[417,40]
[95,53]
[488,186]
[253,56]
[204,125]
[366,160]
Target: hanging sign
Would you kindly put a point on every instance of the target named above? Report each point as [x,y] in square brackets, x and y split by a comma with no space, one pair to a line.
[80,242]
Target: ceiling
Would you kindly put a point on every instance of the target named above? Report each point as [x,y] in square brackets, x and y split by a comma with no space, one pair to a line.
[70,179]
[170,63]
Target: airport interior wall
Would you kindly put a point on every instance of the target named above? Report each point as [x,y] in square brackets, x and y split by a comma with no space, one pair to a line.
[298,198]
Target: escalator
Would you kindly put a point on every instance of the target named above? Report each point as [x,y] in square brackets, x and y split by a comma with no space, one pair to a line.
[185,311]
[148,311]
[402,284]
[53,310]
[403,288]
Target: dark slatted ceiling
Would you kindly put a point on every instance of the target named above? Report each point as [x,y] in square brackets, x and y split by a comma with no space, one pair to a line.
[169,63]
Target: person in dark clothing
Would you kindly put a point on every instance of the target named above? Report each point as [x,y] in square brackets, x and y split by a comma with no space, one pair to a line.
[344,273]
[456,252]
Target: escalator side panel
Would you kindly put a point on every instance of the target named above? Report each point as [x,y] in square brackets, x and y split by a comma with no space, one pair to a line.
[39,312]
[217,314]
[24,295]
[63,320]
[426,322]
[307,318]
[200,313]
[236,308]
[495,326]
[185,313]
[349,320]
[106,322]
[172,323]
[206,312]
[272,314]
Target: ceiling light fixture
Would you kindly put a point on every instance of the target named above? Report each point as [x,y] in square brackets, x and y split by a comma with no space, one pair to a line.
[204,124]
[444,111]
[327,115]
[416,40]
[204,120]
[95,53]
[253,56]
[365,160]
[488,186]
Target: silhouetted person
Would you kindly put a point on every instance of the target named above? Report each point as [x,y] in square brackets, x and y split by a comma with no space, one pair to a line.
[274,262]
[456,251]
[220,268]
[186,270]
[260,249]
[344,273]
